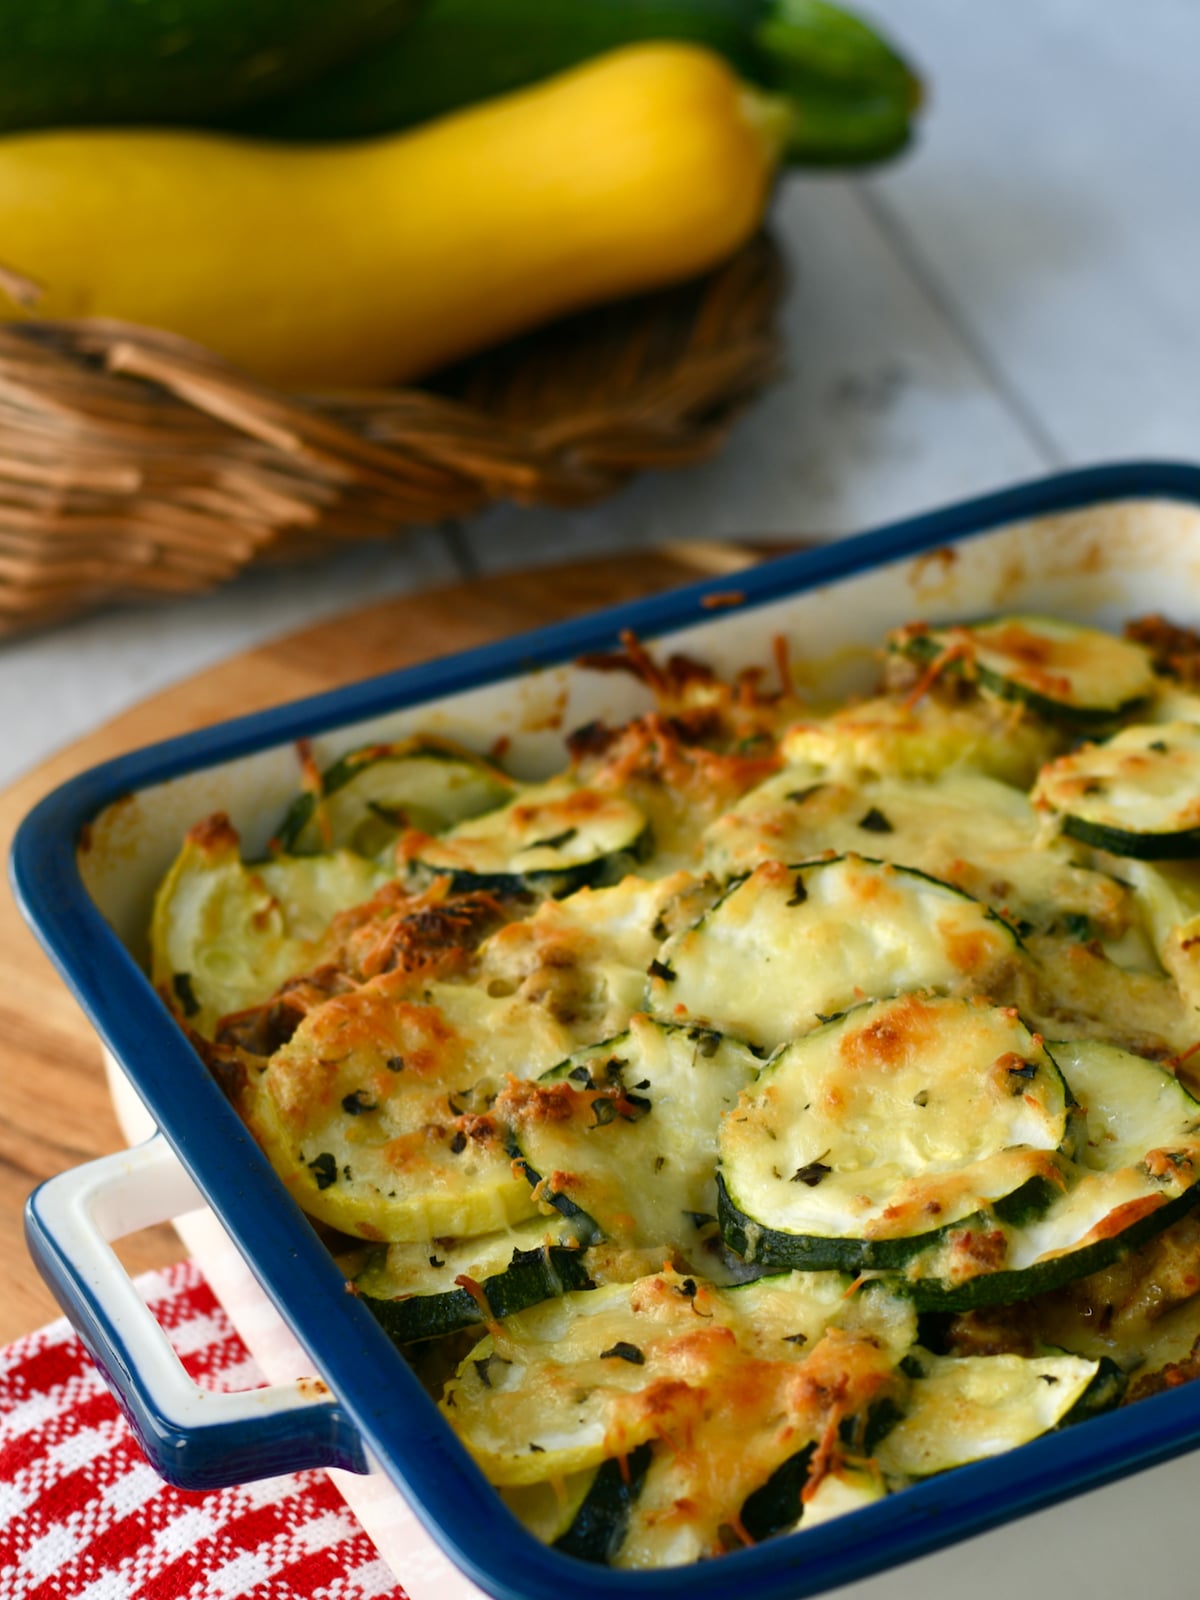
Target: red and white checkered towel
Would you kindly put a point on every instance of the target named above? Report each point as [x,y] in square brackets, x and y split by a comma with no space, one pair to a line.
[83,1517]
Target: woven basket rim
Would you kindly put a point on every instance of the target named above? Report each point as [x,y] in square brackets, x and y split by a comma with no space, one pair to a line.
[134,464]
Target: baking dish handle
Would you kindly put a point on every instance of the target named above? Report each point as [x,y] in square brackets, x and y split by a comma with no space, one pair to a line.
[194,1438]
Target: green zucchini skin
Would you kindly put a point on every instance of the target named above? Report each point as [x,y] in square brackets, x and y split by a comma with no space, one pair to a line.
[773,1250]
[534,1275]
[776,1505]
[1007,1287]
[1182,846]
[1085,720]
[601,873]
[73,62]
[855,96]
[1035,1197]
[599,1527]
[300,833]
[1132,795]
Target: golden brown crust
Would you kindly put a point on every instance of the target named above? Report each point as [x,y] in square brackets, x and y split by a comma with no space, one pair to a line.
[427,934]
[1119,1306]
[1174,649]
[213,834]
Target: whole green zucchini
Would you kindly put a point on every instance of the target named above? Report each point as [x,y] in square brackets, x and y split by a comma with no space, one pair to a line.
[73,62]
[853,94]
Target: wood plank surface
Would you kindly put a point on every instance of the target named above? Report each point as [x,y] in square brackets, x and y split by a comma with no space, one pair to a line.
[1049,209]
[54,1106]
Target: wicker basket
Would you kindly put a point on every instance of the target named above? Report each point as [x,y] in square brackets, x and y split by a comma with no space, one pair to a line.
[135,465]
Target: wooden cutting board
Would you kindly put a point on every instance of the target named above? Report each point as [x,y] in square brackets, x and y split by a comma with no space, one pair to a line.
[54,1106]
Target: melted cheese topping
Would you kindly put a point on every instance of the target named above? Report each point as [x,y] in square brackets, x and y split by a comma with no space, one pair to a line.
[438,1056]
[375,1111]
[1057,662]
[967,1408]
[1142,781]
[961,827]
[889,737]
[748,1416]
[790,946]
[900,1118]
[629,1133]
[594,1374]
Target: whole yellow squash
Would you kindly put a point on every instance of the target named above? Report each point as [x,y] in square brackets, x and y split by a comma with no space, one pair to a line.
[353,265]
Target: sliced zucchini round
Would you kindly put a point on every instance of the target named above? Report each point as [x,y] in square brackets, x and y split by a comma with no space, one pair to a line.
[591,1376]
[225,935]
[428,1181]
[887,737]
[870,1138]
[966,1408]
[1138,794]
[626,1132]
[584,957]
[1168,899]
[414,1290]
[1168,896]
[552,838]
[380,1078]
[1059,669]
[375,1111]
[370,795]
[558,1389]
[961,827]
[1135,1172]
[788,947]
[1133,1106]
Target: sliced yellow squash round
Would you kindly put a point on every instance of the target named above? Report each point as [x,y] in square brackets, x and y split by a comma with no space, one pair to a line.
[226,935]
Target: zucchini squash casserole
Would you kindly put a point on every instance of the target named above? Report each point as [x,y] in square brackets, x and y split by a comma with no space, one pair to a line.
[775,1108]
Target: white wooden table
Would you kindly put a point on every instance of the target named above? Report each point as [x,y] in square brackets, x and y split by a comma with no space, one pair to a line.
[1021,293]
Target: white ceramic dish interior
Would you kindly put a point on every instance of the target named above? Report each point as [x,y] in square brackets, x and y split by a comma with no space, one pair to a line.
[1103,564]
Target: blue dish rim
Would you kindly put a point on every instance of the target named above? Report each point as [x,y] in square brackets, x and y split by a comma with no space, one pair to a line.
[396,1420]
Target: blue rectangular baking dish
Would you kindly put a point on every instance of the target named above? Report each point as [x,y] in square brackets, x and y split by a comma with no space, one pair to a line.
[380,1414]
